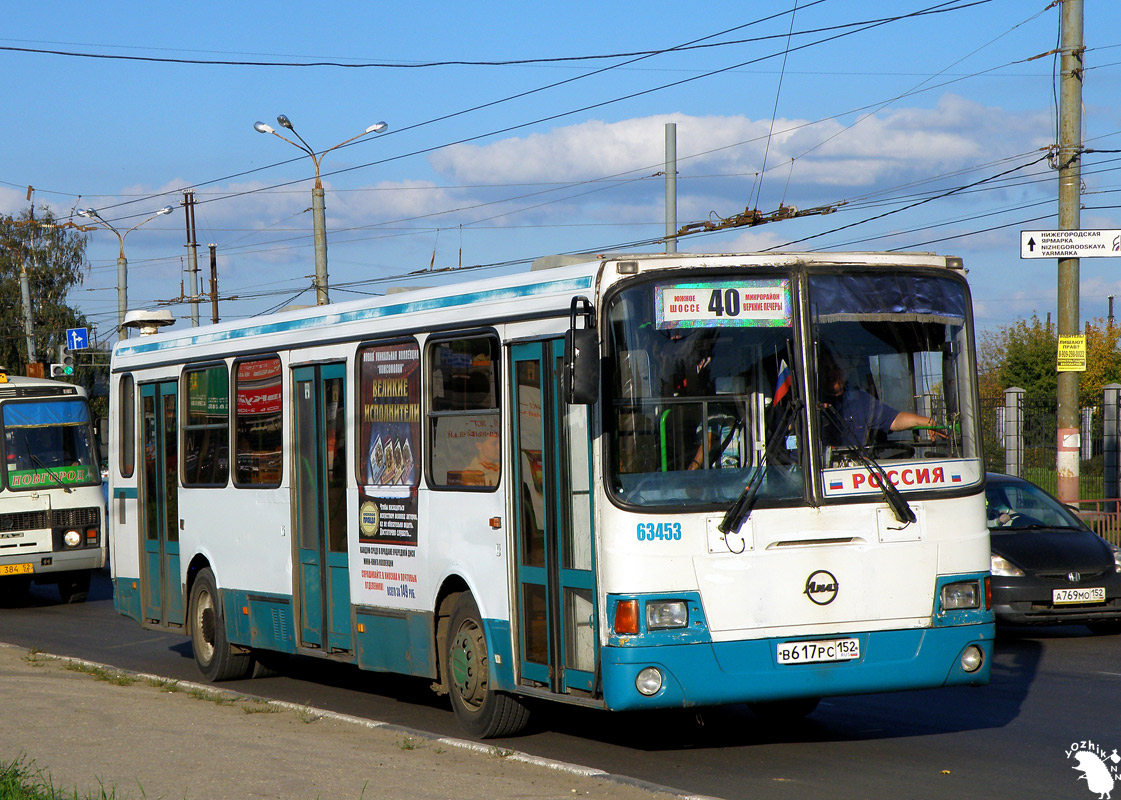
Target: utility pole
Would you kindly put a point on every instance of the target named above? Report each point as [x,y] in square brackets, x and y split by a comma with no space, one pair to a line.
[671,187]
[192,254]
[1070,180]
[25,284]
[214,283]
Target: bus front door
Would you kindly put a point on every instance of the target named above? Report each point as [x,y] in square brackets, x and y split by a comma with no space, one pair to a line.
[320,517]
[553,526]
[159,491]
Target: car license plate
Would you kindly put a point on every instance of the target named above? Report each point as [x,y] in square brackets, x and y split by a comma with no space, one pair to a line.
[1089,594]
[818,650]
[16,569]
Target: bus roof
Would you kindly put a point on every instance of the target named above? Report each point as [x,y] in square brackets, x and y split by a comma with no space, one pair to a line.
[545,290]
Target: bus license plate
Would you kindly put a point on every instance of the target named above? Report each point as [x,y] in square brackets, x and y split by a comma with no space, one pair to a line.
[16,569]
[1089,594]
[817,651]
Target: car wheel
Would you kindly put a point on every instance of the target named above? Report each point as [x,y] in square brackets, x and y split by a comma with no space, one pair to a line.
[74,588]
[480,710]
[217,659]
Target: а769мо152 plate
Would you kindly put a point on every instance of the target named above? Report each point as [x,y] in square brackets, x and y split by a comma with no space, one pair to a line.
[818,650]
[1089,594]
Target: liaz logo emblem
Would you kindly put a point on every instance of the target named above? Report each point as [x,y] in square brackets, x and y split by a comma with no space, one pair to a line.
[821,587]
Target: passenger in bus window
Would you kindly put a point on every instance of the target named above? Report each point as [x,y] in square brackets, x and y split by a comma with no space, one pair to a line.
[483,468]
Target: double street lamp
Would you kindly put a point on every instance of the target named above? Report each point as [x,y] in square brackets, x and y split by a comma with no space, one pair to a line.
[318,217]
[122,263]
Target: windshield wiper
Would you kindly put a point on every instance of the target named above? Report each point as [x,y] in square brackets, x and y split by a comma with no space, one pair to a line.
[741,509]
[49,471]
[899,505]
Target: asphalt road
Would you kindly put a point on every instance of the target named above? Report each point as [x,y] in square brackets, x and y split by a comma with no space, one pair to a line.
[1050,688]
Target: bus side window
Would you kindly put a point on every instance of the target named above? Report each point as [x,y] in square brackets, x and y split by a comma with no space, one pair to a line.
[463,421]
[126,423]
[206,427]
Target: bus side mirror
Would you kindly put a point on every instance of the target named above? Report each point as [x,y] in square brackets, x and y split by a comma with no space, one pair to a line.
[581,356]
[581,366]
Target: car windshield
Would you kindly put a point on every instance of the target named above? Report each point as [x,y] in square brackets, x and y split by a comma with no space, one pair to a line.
[1023,506]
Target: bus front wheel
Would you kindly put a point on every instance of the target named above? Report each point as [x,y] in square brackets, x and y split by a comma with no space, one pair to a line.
[481,711]
[217,659]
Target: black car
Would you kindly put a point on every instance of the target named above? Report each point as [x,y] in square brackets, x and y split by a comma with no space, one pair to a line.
[1048,566]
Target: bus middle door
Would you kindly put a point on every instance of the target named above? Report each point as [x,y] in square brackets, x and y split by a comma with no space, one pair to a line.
[323,572]
[553,534]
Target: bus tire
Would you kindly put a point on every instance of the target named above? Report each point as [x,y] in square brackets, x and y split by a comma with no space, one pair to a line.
[74,588]
[480,710]
[217,659]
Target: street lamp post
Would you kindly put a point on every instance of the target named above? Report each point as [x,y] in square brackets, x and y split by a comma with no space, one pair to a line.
[122,262]
[318,215]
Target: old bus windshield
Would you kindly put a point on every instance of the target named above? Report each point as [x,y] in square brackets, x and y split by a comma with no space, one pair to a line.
[48,443]
[701,393]
[893,365]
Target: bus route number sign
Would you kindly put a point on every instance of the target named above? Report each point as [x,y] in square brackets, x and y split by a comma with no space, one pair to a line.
[709,304]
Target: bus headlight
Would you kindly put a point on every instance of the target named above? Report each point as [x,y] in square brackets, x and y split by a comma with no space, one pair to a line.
[972,658]
[71,538]
[649,681]
[666,614]
[958,596]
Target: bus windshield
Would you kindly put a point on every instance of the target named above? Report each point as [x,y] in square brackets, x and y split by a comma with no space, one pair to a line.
[48,443]
[894,376]
[701,392]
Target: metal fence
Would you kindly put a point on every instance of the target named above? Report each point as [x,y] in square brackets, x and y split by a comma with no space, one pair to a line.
[1020,433]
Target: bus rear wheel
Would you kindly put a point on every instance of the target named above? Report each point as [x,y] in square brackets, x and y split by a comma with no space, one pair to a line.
[217,659]
[480,710]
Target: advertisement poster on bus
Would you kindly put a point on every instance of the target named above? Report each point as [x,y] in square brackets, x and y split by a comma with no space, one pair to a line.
[389,448]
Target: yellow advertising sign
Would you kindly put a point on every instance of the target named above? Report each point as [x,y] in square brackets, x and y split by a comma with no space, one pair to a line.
[1072,354]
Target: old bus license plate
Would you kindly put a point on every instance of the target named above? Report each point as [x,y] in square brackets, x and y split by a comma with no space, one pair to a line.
[1089,594]
[818,650]
[16,569]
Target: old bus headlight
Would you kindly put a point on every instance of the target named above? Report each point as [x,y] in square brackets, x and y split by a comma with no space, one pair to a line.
[957,596]
[72,538]
[666,614]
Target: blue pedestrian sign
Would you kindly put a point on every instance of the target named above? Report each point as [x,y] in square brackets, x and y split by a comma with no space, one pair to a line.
[77,338]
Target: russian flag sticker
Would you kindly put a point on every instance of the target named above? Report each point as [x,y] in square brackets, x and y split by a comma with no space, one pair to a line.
[836,485]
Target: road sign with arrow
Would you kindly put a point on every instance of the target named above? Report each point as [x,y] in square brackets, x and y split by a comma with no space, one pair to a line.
[1070,244]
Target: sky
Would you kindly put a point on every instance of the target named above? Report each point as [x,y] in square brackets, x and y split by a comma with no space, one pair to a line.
[519,130]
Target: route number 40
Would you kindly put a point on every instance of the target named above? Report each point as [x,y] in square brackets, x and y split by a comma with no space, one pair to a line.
[724,303]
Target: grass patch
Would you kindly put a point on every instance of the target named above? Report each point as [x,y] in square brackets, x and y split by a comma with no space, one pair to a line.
[260,707]
[101,674]
[164,684]
[306,715]
[37,658]
[501,752]
[410,743]
[20,779]
[217,699]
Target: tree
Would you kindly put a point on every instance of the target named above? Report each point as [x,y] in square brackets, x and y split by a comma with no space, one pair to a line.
[1025,354]
[54,255]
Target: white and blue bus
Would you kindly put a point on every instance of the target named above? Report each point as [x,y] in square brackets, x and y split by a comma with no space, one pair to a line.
[622,482]
[52,506]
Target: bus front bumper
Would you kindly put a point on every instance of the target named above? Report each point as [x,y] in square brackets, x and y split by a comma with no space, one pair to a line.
[719,673]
